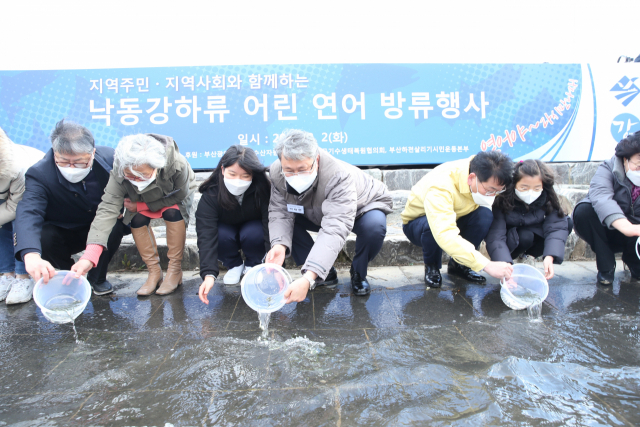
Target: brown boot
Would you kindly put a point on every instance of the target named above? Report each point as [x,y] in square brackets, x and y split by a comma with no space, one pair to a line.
[146,244]
[176,238]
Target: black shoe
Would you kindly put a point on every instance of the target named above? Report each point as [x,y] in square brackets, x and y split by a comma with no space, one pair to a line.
[464,272]
[359,285]
[102,288]
[605,278]
[432,276]
[331,279]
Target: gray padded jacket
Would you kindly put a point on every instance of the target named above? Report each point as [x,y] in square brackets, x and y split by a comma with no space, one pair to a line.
[340,194]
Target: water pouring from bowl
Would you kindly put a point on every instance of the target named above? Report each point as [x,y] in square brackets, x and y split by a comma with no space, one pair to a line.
[527,288]
[63,298]
[263,289]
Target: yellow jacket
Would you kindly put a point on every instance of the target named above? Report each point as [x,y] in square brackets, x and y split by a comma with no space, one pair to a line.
[443,195]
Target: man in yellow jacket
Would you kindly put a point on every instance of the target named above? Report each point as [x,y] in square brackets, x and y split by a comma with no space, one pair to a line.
[450,209]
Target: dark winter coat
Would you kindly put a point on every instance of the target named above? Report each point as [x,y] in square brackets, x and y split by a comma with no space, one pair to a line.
[50,199]
[610,194]
[503,237]
[210,213]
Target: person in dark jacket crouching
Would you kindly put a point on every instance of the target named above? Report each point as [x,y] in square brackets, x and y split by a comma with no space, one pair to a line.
[608,219]
[528,219]
[60,201]
[233,214]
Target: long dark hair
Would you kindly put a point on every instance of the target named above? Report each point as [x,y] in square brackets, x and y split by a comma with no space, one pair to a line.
[531,167]
[248,160]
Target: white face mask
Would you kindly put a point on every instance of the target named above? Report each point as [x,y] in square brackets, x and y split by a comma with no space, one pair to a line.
[528,196]
[144,184]
[236,186]
[74,174]
[301,183]
[634,176]
[481,199]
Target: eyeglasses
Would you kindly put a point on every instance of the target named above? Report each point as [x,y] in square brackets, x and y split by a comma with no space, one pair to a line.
[491,193]
[137,178]
[75,165]
[635,165]
[301,173]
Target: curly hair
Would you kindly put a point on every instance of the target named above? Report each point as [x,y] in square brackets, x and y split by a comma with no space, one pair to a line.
[628,146]
[531,167]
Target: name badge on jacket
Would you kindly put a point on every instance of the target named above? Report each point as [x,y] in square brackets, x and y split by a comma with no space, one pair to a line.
[295,209]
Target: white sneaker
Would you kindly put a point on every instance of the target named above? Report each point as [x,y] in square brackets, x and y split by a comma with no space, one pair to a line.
[21,291]
[5,286]
[246,270]
[233,275]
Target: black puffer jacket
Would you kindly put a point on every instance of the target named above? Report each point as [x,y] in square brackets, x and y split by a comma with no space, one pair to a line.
[503,237]
[209,213]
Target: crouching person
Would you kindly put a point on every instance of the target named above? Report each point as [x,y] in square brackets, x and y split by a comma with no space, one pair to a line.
[62,194]
[151,179]
[450,209]
[606,219]
[313,191]
[15,284]
[233,215]
[528,218]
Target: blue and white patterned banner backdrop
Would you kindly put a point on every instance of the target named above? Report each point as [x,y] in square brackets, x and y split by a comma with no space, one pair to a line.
[366,114]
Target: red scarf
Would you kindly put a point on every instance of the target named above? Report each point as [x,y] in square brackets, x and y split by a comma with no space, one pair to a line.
[635,193]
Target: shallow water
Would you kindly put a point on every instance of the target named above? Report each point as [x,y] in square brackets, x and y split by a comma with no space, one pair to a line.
[405,356]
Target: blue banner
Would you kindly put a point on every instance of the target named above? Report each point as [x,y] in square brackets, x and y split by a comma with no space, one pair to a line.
[365,114]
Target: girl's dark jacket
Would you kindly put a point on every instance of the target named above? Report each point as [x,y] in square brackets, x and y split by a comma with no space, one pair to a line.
[209,213]
[503,237]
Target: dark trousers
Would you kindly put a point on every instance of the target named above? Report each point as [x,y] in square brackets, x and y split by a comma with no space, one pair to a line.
[369,229]
[248,236]
[58,244]
[605,242]
[170,215]
[532,244]
[473,228]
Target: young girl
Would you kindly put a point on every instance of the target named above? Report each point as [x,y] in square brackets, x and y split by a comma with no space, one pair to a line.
[233,214]
[528,219]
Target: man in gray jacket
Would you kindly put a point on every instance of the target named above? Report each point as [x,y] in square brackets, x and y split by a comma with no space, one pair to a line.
[313,191]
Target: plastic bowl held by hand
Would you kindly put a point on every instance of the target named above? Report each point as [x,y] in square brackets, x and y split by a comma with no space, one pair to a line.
[263,287]
[62,302]
[526,287]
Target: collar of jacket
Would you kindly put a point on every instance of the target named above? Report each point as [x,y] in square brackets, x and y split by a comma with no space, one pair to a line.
[619,173]
[463,185]
[171,154]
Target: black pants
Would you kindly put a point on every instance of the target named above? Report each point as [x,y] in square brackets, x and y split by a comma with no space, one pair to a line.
[605,242]
[58,244]
[248,236]
[369,229]
[473,228]
[532,244]
[170,215]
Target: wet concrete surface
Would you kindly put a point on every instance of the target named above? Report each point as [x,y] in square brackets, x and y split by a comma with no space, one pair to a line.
[404,355]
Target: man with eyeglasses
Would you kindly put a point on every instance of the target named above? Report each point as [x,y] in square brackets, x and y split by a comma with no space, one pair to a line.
[62,194]
[450,209]
[313,191]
